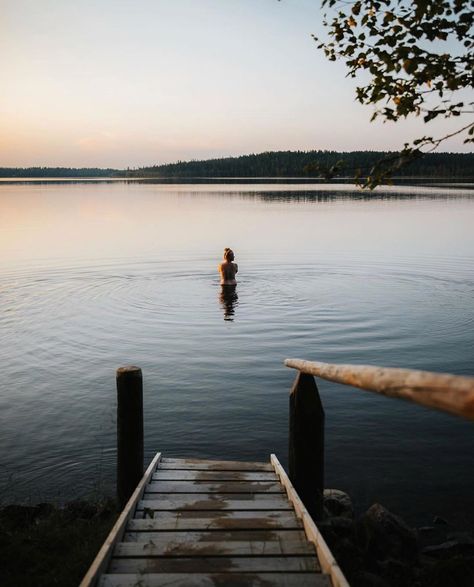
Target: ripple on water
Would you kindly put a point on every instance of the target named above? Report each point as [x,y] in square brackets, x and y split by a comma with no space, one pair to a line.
[64,330]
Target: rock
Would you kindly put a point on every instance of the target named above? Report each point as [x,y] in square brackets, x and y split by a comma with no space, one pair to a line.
[348,557]
[425,564]
[454,572]
[382,535]
[339,525]
[439,520]
[366,579]
[338,503]
[396,573]
[465,537]
[429,535]
[450,548]
[441,550]
[339,534]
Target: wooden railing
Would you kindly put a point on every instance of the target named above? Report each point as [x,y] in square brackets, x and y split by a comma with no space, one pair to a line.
[449,393]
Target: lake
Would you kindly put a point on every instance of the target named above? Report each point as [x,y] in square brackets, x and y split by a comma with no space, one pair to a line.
[96,275]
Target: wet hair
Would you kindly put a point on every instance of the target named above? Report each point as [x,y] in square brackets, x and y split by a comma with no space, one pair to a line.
[228,254]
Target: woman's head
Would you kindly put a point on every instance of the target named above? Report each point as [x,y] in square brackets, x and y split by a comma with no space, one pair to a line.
[228,254]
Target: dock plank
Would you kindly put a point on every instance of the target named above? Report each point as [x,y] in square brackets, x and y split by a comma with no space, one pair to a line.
[207,502]
[179,475]
[216,497]
[199,520]
[214,535]
[189,548]
[205,465]
[214,487]
[217,580]
[219,564]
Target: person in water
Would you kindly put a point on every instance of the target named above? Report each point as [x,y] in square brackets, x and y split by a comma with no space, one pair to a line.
[228,268]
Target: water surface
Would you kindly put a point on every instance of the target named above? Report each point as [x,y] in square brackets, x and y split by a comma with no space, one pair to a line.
[98,275]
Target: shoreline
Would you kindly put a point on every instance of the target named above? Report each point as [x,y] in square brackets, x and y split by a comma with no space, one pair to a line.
[47,544]
[244,178]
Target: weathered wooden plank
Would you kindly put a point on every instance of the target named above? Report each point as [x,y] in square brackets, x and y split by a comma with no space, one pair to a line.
[254,564]
[214,487]
[205,465]
[326,559]
[151,549]
[208,502]
[215,535]
[208,520]
[217,580]
[177,475]
[250,497]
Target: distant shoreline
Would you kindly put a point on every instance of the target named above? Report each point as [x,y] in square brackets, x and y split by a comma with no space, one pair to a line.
[271,165]
[241,179]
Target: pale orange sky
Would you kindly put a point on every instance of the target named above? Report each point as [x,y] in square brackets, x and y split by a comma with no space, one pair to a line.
[129,83]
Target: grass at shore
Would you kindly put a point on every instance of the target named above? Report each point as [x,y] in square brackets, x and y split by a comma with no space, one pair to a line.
[45,545]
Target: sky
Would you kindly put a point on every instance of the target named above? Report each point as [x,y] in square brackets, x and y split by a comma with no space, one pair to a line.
[129,83]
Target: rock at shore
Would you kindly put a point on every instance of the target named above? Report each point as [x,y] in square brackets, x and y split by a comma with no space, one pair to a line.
[378,549]
[383,535]
[338,503]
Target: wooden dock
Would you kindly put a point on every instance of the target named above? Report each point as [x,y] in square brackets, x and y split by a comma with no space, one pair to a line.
[202,523]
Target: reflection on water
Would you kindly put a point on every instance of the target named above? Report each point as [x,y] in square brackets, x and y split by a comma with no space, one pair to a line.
[229,300]
[97,275]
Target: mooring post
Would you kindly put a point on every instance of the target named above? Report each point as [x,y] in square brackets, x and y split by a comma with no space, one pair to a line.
[129,431]
[306,443]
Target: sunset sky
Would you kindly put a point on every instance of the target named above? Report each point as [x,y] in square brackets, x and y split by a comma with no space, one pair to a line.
[129,83]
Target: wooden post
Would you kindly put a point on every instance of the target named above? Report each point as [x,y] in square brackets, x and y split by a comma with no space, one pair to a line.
[129,431]
[306,444]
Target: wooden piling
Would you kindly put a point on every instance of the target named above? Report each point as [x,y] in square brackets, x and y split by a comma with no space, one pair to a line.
[129,431]
[306,443]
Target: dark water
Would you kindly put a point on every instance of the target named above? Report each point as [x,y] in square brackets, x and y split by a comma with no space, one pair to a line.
[98,275]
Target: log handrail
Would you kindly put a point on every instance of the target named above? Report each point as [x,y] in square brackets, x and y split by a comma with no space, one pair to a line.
[442,391]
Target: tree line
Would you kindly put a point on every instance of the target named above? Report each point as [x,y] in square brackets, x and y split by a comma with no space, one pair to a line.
[307,163]
[28,172]
[272,164]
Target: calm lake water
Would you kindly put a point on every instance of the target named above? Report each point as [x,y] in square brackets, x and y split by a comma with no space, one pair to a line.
[95,275]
